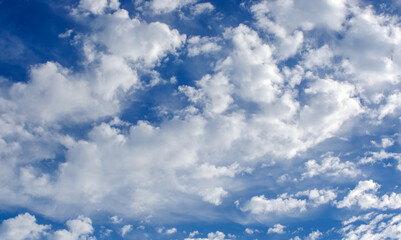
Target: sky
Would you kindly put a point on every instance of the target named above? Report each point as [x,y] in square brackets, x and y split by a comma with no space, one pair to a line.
[200,120]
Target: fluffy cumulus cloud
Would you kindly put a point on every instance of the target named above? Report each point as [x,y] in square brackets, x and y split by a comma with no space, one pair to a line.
[314,235]
[21,227]
[262,205]
[202,45]
[287,20]
[161,6]
[79,228]
[364,195]
[289,203]
[159,116]
[277,228]
[330,166]
[211,236]
[152,40]
[24,226]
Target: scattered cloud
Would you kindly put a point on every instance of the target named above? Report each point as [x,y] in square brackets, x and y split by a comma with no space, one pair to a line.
[277,228]
[126,229]
[364,195]
[330,166]
[21,227]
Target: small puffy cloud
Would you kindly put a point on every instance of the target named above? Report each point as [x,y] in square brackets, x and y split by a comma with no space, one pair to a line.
[262,205]
[287,203]
[387,142]
[66,33]
[22,227]
[249,231]
[166,6]
[202,45]
[171,231]
[318,197]
[214,196]
[126,229]
[202,8]
[116,220]
[373,157]
[277,228]
[314,235]
[211,236]
[142,42]
[330,166]
[80,228]
[98,6]
[194,233]
[364,195]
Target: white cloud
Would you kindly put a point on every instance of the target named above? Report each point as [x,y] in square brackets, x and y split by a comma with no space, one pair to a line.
[278,229]
[211,236]
[116,220]
[373,157]
[262,205]
[302,14]
[288,19]
[194,233]
[202,45]
[249,231]
[387,142]
[166,6]
[289,203]
[126,229]
[54,93]
[22,227]
[66,34]
[96,7]
[78,229]
[353,219]
[391,107]
[314,235]
[321,57]
[202,8]
[171,231]
[245,112]
[372,46]
[364,195]
[318,197]
[152,40]
[210,171]
[377,226]
[214,196]
[330,166]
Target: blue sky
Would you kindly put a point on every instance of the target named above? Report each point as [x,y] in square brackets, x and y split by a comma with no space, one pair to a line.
[200,120]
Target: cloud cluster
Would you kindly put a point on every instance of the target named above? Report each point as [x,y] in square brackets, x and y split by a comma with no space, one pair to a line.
[273,92]
[24,226]
[364,195]
[330,166]
[377,226]
[289,203]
